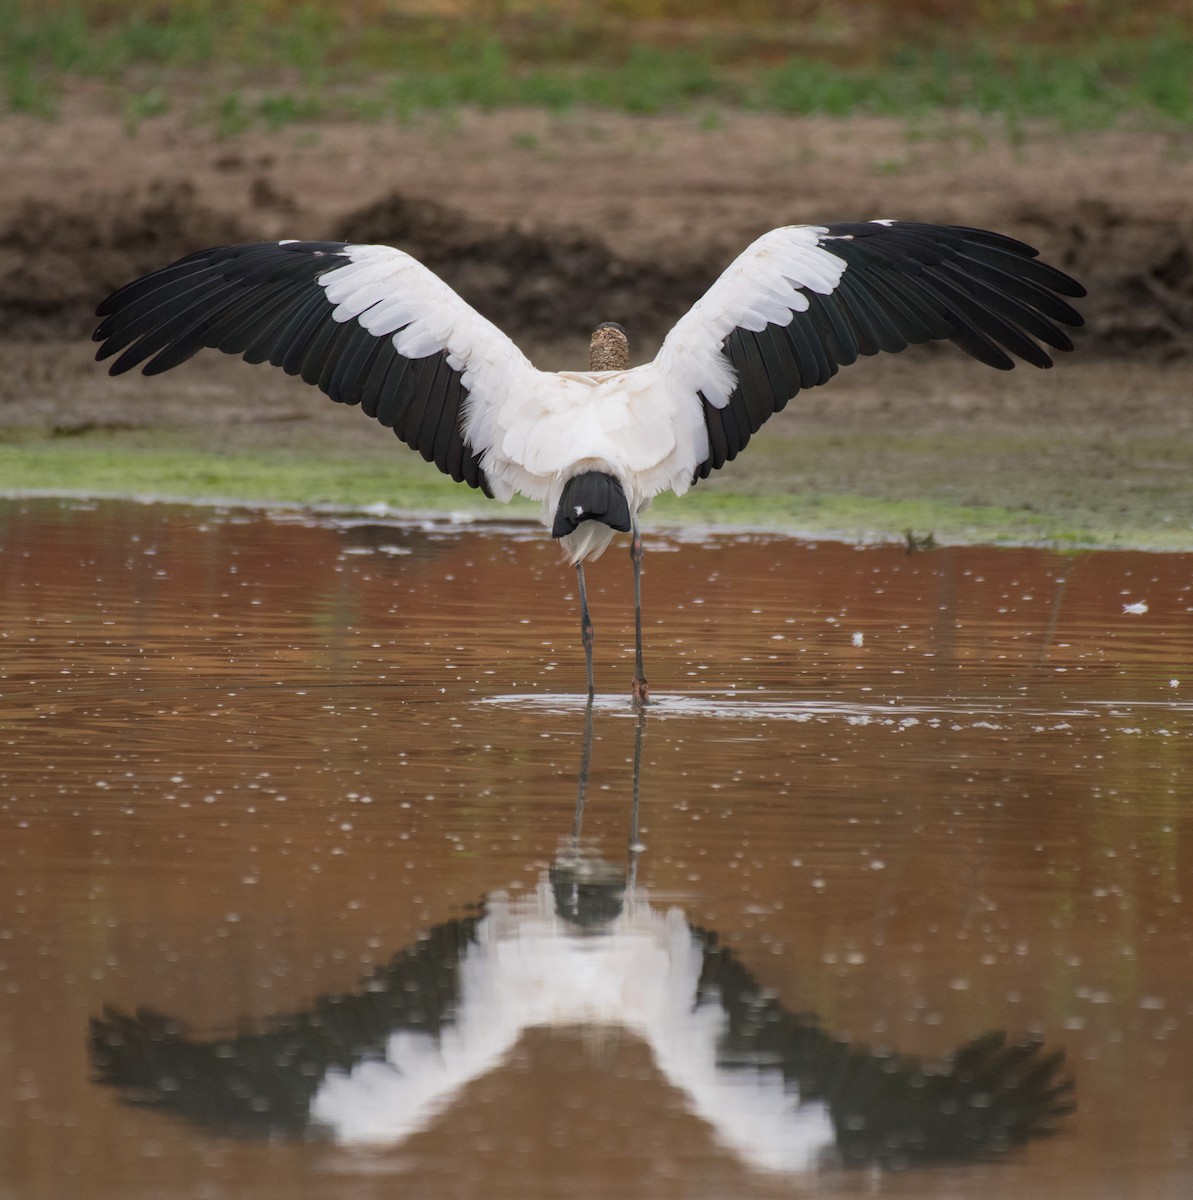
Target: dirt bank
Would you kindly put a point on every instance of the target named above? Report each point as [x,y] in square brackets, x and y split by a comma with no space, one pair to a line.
[549,224]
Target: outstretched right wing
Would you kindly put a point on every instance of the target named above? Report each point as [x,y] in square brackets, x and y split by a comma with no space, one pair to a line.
[804,300]
[368,325]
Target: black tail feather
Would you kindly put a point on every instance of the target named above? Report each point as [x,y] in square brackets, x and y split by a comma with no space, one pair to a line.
[591,496]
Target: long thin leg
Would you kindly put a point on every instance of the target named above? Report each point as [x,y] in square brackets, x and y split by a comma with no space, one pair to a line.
[585,629]
[640,689]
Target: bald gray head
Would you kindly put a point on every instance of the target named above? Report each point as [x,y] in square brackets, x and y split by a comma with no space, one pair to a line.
[609,349]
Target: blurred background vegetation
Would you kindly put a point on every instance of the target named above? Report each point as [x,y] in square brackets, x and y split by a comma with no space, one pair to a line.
[1081,63]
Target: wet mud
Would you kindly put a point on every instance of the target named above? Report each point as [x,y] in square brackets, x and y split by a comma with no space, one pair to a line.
[546,281]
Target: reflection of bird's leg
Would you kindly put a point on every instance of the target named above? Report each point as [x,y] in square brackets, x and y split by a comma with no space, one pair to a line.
[585,629]
[585,767]
[640,691]
[636,847]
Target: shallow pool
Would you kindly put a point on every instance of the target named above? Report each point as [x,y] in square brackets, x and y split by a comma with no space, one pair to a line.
[317,878]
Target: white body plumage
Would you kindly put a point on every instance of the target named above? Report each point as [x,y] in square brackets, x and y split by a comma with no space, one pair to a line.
[537,429]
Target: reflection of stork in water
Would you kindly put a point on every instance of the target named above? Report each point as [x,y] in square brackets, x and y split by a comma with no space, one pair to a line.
[371,326]
[586,948]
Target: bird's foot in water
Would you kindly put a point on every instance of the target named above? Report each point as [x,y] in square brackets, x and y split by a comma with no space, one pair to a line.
[640,691]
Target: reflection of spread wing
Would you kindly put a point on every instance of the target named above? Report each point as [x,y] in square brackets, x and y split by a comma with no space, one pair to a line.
[990,1094]
[377,1064]
[258,1084]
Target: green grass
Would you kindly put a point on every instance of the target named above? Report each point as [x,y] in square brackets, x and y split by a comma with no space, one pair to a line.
[164,465]
[106,465]
[1152,76]
[359,61]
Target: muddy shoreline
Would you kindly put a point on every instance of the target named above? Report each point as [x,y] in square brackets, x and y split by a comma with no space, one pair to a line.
[549,224]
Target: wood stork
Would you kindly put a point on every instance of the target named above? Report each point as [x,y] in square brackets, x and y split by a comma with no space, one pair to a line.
[371,326]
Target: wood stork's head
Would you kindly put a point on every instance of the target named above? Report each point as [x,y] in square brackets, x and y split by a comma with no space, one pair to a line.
[609,349]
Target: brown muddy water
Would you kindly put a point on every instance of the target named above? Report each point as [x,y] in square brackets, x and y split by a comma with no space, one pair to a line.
[298,897]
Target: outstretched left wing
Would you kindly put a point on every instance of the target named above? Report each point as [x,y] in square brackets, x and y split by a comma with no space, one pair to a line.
[368,325]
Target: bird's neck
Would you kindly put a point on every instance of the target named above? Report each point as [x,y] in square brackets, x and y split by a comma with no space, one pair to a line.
[608,350]
[603,360]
